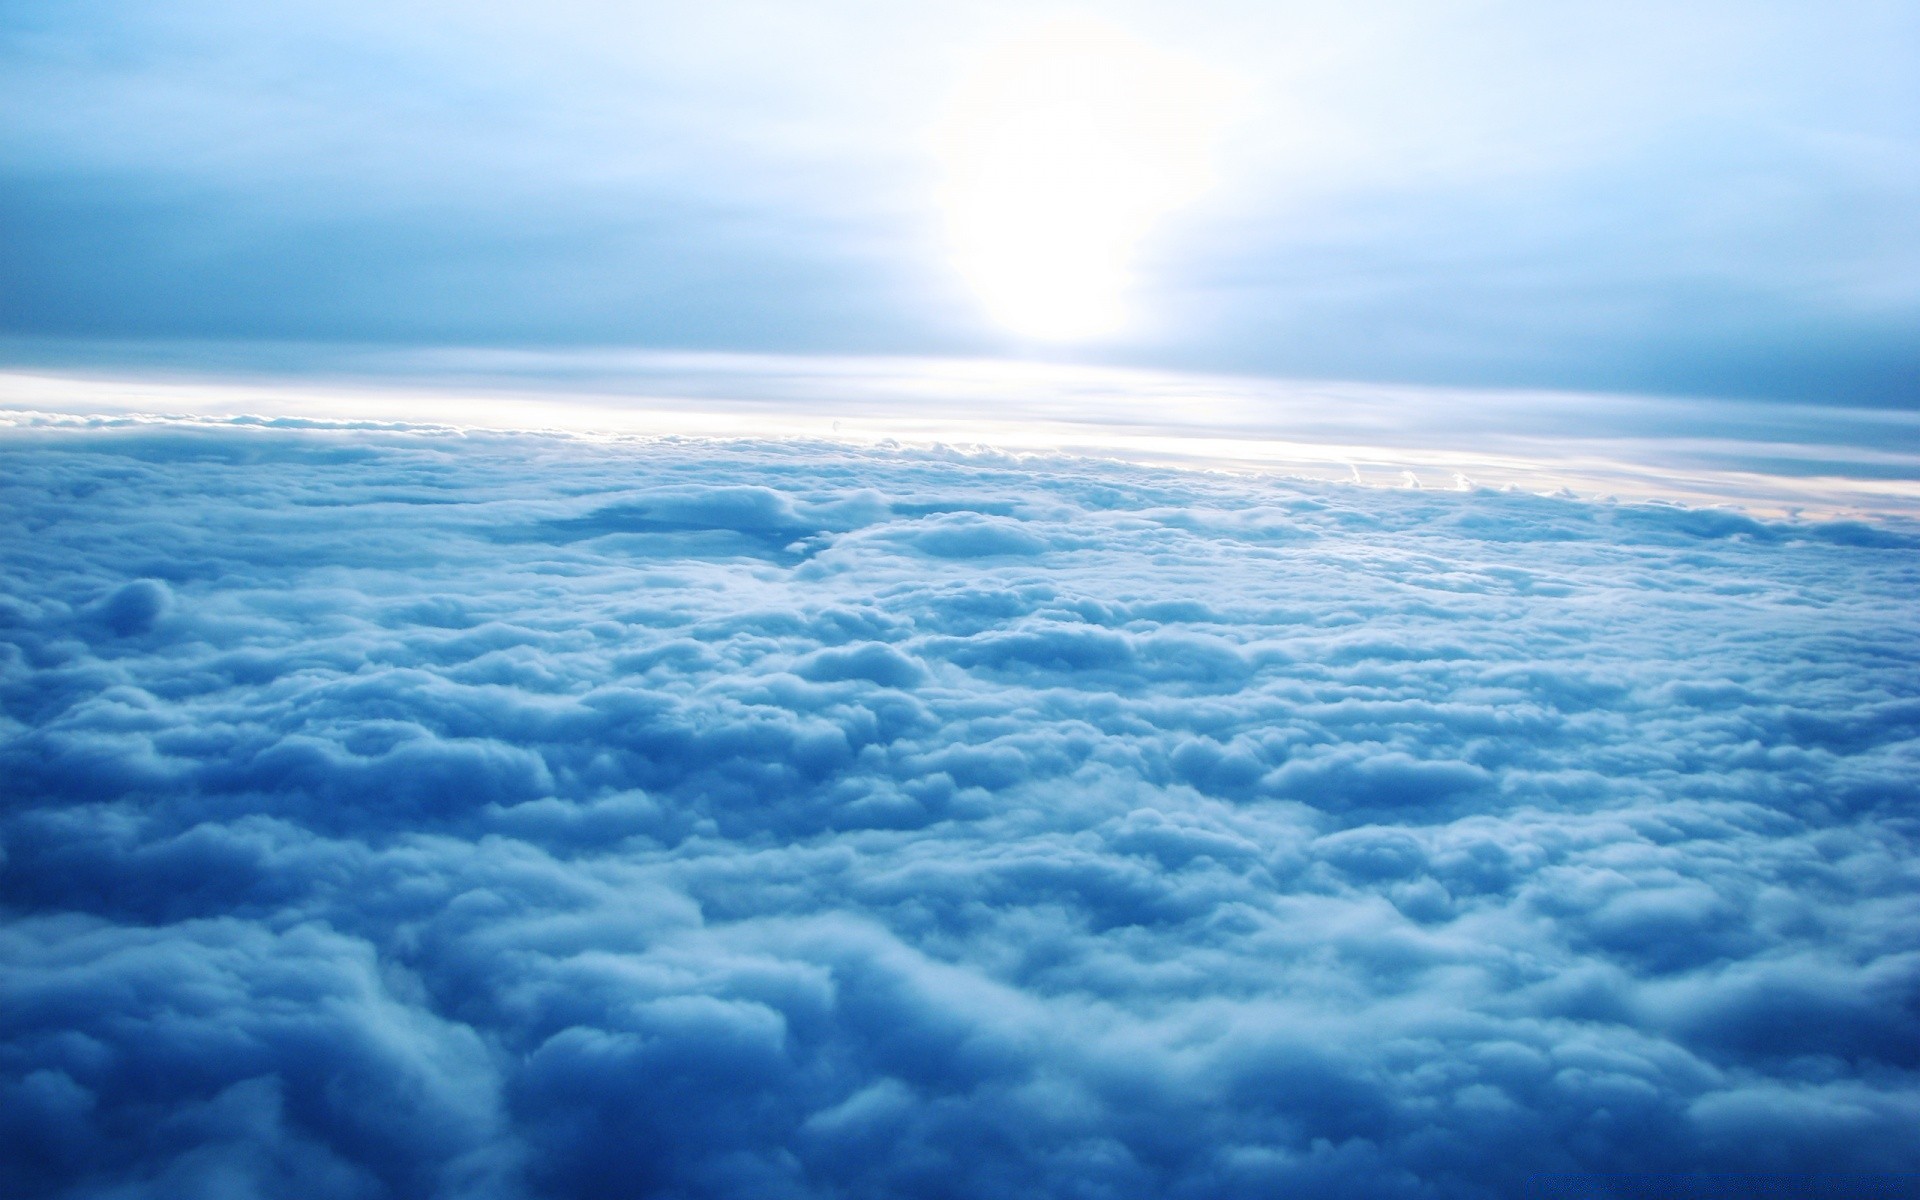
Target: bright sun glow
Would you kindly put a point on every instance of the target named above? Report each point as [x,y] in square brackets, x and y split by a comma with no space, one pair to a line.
[1062,150]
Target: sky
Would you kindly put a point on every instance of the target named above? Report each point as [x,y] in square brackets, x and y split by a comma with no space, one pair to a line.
[1710,199]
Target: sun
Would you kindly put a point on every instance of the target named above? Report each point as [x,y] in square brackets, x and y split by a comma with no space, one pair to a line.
[1062,149]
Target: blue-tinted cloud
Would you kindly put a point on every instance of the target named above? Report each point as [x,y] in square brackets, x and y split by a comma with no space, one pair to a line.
[499,815]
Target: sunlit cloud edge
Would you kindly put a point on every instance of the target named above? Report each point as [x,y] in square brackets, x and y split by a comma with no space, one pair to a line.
[1768,459]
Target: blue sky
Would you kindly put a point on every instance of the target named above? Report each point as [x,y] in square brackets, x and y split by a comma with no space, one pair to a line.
[1709,199]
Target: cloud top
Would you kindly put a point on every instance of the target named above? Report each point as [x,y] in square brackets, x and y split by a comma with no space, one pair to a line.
[490,815]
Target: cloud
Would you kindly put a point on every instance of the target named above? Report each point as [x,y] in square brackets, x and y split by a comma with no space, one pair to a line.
[133,608]
[507,815]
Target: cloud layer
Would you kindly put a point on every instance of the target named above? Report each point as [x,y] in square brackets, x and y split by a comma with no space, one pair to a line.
[493,815]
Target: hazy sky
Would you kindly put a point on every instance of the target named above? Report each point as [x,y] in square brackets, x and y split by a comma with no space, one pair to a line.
[1708,198]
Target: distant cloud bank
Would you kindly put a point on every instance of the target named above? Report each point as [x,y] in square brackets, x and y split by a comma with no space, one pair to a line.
[1765,457]
[505,815]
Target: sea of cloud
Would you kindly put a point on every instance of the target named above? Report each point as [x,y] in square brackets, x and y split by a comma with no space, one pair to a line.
[430,814]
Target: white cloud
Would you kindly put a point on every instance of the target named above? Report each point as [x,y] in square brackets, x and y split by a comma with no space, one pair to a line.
[487,815]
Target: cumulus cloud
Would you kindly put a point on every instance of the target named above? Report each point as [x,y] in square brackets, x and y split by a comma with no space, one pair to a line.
[495,815]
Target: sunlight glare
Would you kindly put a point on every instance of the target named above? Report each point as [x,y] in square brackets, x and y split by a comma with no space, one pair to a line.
[1062,150]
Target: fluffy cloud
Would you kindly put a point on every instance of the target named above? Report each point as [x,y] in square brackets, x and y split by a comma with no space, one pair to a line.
[395,814]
